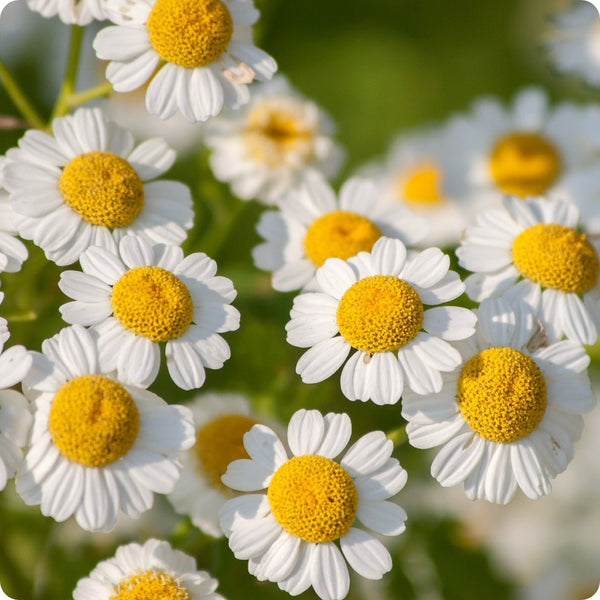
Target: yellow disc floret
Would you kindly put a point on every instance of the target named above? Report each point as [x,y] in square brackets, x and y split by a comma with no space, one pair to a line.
[190,33]
[93,420]
[339,234]
[502,394]
[152,302]
[103,189]
[422,186]
[556,257]
[150,585]
[220,442]
[380,313]
[313,498]
[525,164]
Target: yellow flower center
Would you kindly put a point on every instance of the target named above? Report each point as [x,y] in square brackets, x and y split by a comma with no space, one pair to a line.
[93,420]
[277,135]
[422,186]
[525,164]
[190,33]
[103,189]
[339,234]
[502,394]
[152,302]
[150,585]
[220,442]
[313,498]
[380,313]
[556,257]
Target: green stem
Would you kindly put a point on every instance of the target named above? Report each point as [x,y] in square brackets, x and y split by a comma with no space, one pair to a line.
[96,92]
[19,99]
[398,435]
[61,107]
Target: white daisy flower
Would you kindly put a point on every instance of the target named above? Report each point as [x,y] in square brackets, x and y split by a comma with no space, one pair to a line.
[12,251]
[144,295]
[86,186]
[195,54]
[79,12]
[288,534]
[412,173]
[376,303]
[537,245]
[99,444]
[154,570]
[509,416]
[313,225]
[267,147]
[221,421]
[15,416]
[528,149]
[573,41]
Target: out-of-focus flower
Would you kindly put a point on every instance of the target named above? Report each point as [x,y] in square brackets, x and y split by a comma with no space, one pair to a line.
[99,444]
[195,54]
[288,533]
[154,570]
[80,12]
[376,304]
[144,295]
[12,251]
[533,251]
[313,225]
[88,186]
[266,148]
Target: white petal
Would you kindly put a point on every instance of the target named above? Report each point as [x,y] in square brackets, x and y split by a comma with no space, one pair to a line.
[305,432]
[368,454]
[322,360]
[329,574]
[366,555]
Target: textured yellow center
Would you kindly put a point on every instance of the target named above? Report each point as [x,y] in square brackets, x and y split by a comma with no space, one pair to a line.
[190,33]
[103,189]
[380,313]
[220,442]
[93,420]
[524,164]
[150,585]
[502,394]
[313,498]
[339,234]
[422,186]
[152,302]
[278,135]
[556,257]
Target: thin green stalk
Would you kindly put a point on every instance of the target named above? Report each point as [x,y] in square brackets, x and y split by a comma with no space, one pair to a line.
[96,92]
[19,99]
[398,435]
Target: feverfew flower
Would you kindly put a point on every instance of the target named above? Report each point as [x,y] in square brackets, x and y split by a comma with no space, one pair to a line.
[289,532]
[144,295]
[527,149]
[377,304]
[313,225]
[266,148]
[509,416]
[533,250]
[221,420]
[100,444]
[88,186]
[12,251]
[573,41]
[195,54]
[154,570]
[79,12]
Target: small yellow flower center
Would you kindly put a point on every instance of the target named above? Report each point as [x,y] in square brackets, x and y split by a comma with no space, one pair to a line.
[93,420]
[525,164]
[220,442]
[277,135]
[190,33]
[313,498]
[556,257]
[103,189]
[150,585]
[380,313]
[339,234]
[152,302]
[422,186]
[502,394]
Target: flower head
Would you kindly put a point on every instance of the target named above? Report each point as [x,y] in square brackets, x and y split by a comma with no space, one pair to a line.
[290,533]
